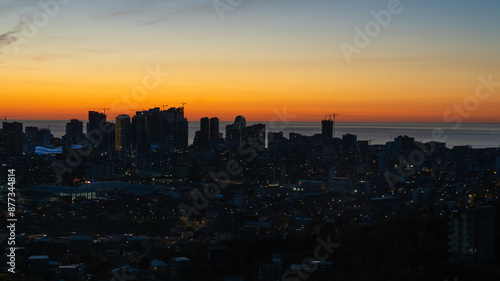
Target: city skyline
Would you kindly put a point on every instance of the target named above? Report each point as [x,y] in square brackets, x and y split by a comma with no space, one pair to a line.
[255,58]
[255,140]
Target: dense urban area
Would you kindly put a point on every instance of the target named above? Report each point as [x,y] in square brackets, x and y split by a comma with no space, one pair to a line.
[131,199]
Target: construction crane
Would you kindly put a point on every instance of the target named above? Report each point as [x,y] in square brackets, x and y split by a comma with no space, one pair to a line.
[183,104]
[103,109]
[331,117]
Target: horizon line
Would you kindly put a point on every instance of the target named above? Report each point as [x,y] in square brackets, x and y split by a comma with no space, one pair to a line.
[261,121]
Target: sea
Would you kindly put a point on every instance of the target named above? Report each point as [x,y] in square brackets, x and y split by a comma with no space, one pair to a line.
[484,135]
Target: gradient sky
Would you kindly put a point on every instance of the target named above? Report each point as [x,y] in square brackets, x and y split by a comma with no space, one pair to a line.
[264,55]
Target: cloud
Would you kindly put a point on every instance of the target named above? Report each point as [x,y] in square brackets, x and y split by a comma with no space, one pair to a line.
[10,36]
[154,11]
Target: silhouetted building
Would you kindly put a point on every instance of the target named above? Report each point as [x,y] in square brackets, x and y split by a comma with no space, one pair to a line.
[108,138]
[404,142]
[140,137]
[229,132]
[156,135]
[274,138]
[16,137]
[214,128]
[204,137]
[349,144]
[74,131]
[237,133]
[97,122]
[122,137]
[44,137]
[327,130]
[255,135]
[31,139]
[240,123]
[35,137]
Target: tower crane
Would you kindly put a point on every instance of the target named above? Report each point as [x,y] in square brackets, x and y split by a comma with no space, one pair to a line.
[331,117]
[103,109]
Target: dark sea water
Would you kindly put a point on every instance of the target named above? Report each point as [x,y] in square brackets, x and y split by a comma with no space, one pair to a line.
[476,135]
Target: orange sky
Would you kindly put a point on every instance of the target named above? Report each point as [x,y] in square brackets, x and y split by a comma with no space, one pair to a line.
[359,93]
[258,60]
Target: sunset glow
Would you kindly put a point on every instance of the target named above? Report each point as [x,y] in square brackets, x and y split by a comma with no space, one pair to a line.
[264,56]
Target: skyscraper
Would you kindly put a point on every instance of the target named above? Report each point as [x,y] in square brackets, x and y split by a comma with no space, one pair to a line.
[255,135]
[140,140]
[214,128]
[327,130]
[32,139]
[44,137]
[164,125]
[204,133]
[96,122]
[240,123]
[349,144]
[239,130]
[74,131]
[123,133]
[16,137]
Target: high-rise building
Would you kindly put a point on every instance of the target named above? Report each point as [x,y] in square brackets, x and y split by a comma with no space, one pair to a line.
[229,132]
[4,146]
[472,236]
[181,138]
[273,138]
[108,138]
[31,141]
[240,123]
[349,144]
[255,135]
[164,125]
[327,130]
[97,121]
[123,133]
[156,135]
[74,131]
[214,128]
[140,138]
[204,137]
[44,137]
[16,137]
[239,130]
[404,143]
